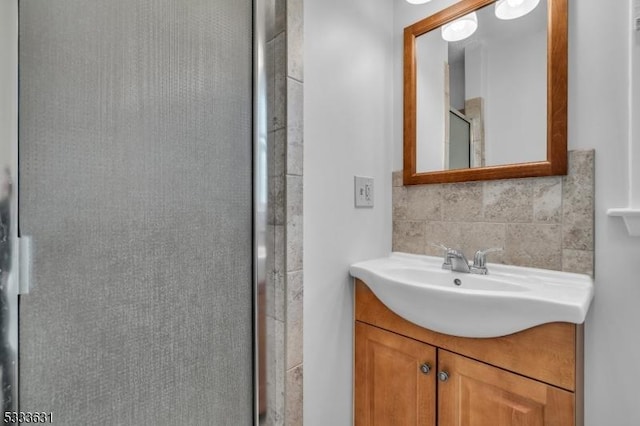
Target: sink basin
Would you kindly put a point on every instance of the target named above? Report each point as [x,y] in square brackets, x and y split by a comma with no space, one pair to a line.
[507,300]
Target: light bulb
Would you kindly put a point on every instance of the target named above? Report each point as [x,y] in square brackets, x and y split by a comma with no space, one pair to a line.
[458,26]
[418,1]
[512,9]
[461,28]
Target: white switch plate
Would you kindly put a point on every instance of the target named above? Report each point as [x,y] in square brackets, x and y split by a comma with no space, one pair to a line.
[363,191]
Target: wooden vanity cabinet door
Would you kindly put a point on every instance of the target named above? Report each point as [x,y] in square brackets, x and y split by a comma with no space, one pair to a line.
[477,394]
[390,387]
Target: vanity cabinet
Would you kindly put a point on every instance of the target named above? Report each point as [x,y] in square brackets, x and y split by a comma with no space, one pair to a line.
[479,394]
[395,379]
[408,375]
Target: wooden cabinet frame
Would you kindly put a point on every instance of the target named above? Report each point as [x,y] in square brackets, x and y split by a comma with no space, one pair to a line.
[389,367]
[557,60]
[551,354]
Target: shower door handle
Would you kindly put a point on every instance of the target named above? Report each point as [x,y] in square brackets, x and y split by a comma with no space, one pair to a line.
[25,264]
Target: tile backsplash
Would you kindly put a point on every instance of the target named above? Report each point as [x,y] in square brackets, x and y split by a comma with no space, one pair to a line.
[539,222]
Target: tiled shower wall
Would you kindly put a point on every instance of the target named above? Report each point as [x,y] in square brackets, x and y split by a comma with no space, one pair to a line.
[539,222]
[284,232]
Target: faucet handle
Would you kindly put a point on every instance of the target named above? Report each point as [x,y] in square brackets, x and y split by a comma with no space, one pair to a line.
[440,246]
[447,260]
[480,258]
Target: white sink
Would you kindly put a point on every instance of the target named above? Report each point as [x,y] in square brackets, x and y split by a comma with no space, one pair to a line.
[507,300]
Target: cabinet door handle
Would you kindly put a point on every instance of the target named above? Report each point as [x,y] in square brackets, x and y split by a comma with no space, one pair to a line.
[443,376]
[425,368]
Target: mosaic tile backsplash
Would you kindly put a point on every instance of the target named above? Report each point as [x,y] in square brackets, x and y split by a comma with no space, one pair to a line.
[539,222]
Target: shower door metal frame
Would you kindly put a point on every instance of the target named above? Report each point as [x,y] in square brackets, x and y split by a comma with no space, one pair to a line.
[260,189]
[260,197]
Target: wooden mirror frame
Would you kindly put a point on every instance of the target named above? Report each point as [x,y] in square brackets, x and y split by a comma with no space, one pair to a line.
[556,162]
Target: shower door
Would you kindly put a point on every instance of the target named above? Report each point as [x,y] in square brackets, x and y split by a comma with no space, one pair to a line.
[135,158]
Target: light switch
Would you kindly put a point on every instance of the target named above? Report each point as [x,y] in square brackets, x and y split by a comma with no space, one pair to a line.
[363,191]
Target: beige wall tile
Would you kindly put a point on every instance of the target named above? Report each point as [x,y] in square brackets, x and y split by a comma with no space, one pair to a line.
[468,237]
[279,153]
[535,245]
[294,319]
[399,203]
[547,199]
[557,213]
[294,398]
[279,271]
[462,202]
[270,285]
[294,39]
[581,165]
[578,202]
[577,232]
[293,240]
[272,415]
[271,152]
[508,200]
[279,112]
[579,261]
[294,127]
[423,202]
[482,236]
[396,178]
[276,177]
[445,233]
[408,236]
[277,200]
[294,196]
[275,373]
[294,223]
[284,69]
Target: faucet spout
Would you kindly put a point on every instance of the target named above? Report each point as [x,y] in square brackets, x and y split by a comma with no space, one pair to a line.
[458,261]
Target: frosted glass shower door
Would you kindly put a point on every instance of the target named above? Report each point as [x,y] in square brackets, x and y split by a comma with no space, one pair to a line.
[136,185]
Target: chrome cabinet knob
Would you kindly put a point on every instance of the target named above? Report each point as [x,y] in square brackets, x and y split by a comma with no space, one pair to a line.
[425,368]
[443,376]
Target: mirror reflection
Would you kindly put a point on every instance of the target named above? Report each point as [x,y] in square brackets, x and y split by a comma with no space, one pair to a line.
[481,88]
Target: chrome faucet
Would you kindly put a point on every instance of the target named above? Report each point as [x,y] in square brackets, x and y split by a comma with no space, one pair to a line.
[480,260]
[456,261]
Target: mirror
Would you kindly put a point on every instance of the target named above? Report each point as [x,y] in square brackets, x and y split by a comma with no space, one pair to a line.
[485,92]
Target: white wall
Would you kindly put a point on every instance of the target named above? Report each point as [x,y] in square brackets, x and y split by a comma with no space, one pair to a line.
[431,56]
[634,158]
[348,113]
[598,118]
[516,66]
[476,79]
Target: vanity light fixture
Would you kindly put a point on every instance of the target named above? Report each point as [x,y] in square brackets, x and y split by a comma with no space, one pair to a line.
[418,1]
[512,9]
[461,28]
